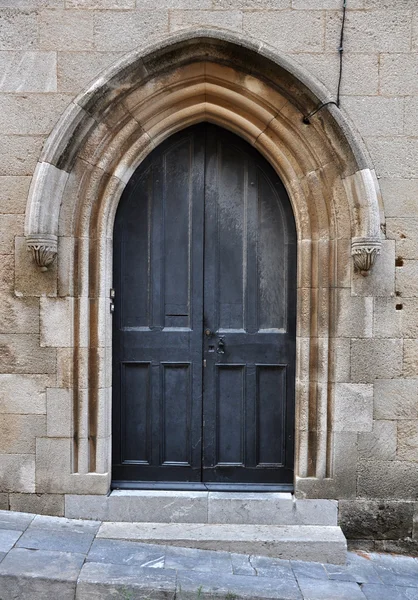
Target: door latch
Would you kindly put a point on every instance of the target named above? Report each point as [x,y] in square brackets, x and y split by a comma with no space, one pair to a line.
[221,346]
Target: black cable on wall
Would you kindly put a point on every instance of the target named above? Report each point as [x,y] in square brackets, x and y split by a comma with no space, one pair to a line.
[306,118]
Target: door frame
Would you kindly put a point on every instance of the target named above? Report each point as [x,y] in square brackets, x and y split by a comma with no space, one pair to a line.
[203,143]
[83,169]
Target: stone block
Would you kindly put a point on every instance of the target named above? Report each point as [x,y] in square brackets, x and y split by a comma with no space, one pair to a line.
[353,407]
[398,74]
[18,433]
[115,33]
[407,279]
[10,226]
[19,154]
[375,358]
[4,501]
[32,4]
[29,281]
[19,315]
[405,232]
[299,542]
[396,317]
[181,19]
[189,4]
[410,358]
[13,194]
[17,473]
[323,4]
[391,480]
[7,274]
[340,369]
[19,29]
[160,506]
[375,115]
[40,504]
[31,114]
[59,419]
[399,197]
[28,72]
[77,69]
[41,574]
[319,589]
[101,4]
[290,31]
[396,399]
[21,353]
[24,394]
[394,156]
[381,279]
[86,507]
[354,315]
[365,519]
[361,71]
[103,582]
[374,31]
[276,509]
[380,443]
[410,115]
[56,322]
[53,470]
[407,440]
[66,30]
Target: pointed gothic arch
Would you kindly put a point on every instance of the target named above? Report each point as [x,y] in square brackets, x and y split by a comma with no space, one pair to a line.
[98,143]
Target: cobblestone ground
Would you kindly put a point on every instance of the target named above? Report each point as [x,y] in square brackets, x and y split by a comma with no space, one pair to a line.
[50,557]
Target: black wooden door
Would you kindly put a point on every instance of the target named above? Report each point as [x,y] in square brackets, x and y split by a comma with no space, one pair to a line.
[204,321]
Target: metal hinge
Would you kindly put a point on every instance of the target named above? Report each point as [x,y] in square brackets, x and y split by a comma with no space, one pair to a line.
[112,295]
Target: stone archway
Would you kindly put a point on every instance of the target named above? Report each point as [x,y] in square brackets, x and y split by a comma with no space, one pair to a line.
[97,145]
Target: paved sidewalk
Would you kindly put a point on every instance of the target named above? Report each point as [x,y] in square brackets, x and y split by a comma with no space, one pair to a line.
[43,558]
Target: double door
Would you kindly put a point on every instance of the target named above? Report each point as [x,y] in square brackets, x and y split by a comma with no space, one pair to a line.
[204,321]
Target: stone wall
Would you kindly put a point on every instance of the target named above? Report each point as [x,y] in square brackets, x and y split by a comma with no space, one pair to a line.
[49,51]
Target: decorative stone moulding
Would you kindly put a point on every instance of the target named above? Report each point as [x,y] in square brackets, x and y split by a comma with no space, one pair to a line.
[364,252]
[102,137]
[43,248]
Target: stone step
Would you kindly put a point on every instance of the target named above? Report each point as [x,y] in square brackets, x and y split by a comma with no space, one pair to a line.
[325,544]
[163,506]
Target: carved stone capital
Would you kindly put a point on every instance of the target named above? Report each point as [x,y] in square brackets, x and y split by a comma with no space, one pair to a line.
[43,247]
[364,252]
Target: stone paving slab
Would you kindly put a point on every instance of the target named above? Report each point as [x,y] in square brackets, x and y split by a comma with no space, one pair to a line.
[8,538]
[104,569]
[15,520]
[59,541]
[120,552]
[109,581]
[192,585]
[386,592]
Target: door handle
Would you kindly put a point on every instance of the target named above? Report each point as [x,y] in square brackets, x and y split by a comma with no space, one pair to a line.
[221,346]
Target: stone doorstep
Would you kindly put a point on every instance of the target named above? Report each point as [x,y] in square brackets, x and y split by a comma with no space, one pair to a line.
[325,544]
[159,506]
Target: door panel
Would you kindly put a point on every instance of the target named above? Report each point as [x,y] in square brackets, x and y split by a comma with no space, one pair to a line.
[250,349]
[204,327]
[158,279]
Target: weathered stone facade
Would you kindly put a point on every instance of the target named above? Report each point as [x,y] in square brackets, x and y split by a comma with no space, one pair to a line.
[88,88]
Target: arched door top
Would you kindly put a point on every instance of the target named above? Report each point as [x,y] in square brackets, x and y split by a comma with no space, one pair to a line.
[219,77]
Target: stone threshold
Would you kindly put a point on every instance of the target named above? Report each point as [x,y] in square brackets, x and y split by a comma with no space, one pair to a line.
[170,506]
